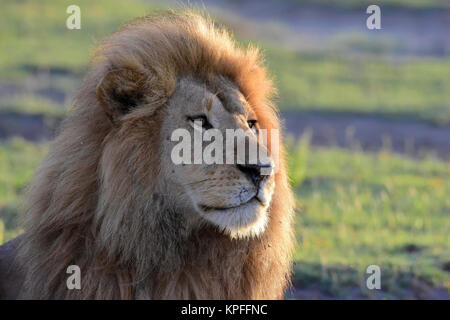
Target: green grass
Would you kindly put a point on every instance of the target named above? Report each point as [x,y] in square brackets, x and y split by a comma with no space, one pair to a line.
[38,52]
[34,33]
[18,160]
[357,209]
[354,210]
[417,88]
[31,104]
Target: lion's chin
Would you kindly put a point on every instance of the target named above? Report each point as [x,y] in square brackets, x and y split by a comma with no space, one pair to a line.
[244,221]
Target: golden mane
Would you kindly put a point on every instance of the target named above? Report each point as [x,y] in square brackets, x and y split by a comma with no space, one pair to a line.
[68,222]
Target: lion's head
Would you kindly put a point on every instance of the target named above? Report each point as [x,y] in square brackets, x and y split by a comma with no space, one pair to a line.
[110,198]
[232,196]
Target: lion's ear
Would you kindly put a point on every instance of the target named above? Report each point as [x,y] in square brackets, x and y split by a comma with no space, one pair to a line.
[120,91]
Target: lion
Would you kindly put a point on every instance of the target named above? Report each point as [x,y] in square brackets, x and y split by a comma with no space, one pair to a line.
[108,199]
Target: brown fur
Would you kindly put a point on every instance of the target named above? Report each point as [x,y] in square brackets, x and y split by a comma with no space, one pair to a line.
[88,204]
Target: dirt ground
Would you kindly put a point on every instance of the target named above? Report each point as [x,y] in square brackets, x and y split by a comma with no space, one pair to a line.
[371,133]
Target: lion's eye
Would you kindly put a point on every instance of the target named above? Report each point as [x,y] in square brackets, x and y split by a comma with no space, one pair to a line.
[202,121]
[252,125]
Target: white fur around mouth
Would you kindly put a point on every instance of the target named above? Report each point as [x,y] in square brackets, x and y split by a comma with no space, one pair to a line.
[246,220]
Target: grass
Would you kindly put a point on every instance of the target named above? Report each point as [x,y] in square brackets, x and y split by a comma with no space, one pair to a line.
[417,88]
[31,104]
[18,160]
[357,209]
[354,210]
[36,33]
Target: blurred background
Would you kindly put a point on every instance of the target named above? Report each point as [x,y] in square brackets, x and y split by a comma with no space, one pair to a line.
[366,118]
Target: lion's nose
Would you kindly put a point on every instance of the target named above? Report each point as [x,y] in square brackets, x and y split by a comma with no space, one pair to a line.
[255,171]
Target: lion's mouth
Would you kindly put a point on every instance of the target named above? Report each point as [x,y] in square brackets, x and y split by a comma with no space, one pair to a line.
[252,200]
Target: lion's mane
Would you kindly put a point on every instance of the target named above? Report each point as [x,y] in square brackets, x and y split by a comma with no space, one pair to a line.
[124,245]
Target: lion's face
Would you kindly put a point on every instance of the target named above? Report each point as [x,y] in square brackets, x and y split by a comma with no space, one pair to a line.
[234,197]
